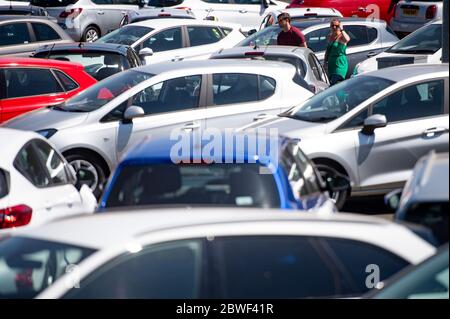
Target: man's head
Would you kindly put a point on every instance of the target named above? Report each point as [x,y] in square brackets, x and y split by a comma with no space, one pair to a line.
[284,20]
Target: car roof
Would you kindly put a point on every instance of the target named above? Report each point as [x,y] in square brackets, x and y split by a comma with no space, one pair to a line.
[85,46]
[158,24]
[12,142]
[158,11]
[16,61]
[301,11]
[408,71]
[433,184]
[270,49]
[304,24]
[24,18]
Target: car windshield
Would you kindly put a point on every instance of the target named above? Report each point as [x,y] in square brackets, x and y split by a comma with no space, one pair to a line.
[338,99]
[128,35]
[28,266]
[52,3]
[103,92]
[193,184]
[427,40]
[267,36]
[99,65]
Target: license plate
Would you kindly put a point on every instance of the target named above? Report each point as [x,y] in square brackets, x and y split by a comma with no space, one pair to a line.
[410,12]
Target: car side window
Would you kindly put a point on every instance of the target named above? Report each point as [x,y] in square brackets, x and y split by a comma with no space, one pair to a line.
[254,2]
[164,271]
[203,35]
[314,67]
[372,34]
[267,87]
[355,121]
[23,82]
[100,2]
[44,32]
[28,163]
[165,40]
[2,84]
[229,88]
[126,2]
[53,163]
[169,96]
[415,101]
[217,1]
[358,35]
[323,76]
[317,40]
[14,33]
[66,81]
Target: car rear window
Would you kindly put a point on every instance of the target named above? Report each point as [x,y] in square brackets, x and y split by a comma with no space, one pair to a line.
[52,3]
[4,183]
[193,184]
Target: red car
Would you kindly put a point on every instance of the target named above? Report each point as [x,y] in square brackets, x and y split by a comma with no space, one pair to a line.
[29,83]
[350,8]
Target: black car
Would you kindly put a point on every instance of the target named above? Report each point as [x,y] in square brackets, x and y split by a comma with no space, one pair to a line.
[100,60]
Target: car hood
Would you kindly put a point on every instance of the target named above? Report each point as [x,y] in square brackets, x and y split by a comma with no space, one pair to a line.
[289,127]
[46,118]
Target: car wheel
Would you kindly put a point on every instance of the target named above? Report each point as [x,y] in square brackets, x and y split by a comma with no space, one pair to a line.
[327,172]
[89,172]
[91,34]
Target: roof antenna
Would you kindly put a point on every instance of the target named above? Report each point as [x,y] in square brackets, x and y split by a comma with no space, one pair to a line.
[10,4]
[50,51]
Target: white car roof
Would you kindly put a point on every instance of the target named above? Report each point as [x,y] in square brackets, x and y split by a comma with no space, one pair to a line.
[112,229]
[299,12]
[159,24]
[409,71]
[11,142]
[270,49]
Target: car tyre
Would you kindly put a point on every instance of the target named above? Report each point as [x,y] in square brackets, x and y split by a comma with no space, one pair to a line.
[89,172]
[91,34]
[327,171]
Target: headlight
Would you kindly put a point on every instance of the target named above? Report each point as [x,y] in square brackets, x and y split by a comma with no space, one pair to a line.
[47,133]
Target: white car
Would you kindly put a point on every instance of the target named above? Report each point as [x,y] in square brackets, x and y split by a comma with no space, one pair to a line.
[36,182]
[421,46]
[300,14]
[410,15]
[96,127]
[15,3]
[171,253]
[175,39]
[248,13]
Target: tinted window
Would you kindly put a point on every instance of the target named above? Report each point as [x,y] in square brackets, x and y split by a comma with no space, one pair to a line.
[356,256]
[52,3]
[272,267]
[317,40]
[28,266]
[165,40]
[14,33]
[28,163]
[169,96]
[66,81]
[129,2]
[427,39]
[314,67]
[164,271]
[358,35]
[232,88]
[44,32]
[164,3]
[226,31]
[216,1]
[4,183]
[103,1]
[128,35]
[266,87]
[53,163]
[372,34]
[256,2]
[356,121]
[197,184]
[267,36]
[203,35]
[416,101]
[30,82]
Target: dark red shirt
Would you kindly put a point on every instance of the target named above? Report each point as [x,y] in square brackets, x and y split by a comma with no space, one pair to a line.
[293,37]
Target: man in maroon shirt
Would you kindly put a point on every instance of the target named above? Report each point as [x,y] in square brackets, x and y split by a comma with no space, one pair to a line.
[289,34]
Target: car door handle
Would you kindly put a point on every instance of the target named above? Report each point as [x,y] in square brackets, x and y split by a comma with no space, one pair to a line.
[243,11]
[371,54]
[434,131]
[191,126]
[101,12]
[177,58]
[259,117]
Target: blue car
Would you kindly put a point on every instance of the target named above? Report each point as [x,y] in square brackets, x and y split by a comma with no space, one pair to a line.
[152,173]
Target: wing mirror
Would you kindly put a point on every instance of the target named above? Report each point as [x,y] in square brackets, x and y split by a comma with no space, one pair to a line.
[145,52]
[373,122]
[132,112]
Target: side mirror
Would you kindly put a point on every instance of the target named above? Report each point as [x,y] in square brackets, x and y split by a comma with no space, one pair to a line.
[373,122]
[265,3]
[145,52]
[132,112]
[250,32]
[392,199]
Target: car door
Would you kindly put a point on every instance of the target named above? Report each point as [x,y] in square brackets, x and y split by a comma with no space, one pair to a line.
[237,99]
[417,122]
[16,39]
[44,34]
[169,105]
[168,44]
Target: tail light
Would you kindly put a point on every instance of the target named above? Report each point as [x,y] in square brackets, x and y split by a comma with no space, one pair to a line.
[254,53]
[164,15]
[431,12]
[183,8]
[73,13]
[15,216]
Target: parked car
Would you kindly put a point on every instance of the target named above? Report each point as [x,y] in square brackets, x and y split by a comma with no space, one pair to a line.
[22,3]
[27,84]
[156,13]
[424,199]
[367,37]
[422,46]
[299,14]
[36,183]
[97,126]
[372,128]
[175,39]
[100,60]
[88,20]
[228,177]
[248,13]
[170,253]
[21,10]
[411,15]
[379,9]
[428,280]
[21,35]
[311,74]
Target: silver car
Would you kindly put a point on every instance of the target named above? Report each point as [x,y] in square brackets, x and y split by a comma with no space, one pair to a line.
[310,72]
[88,20]
[21,35]
[96,127]
[374,127]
